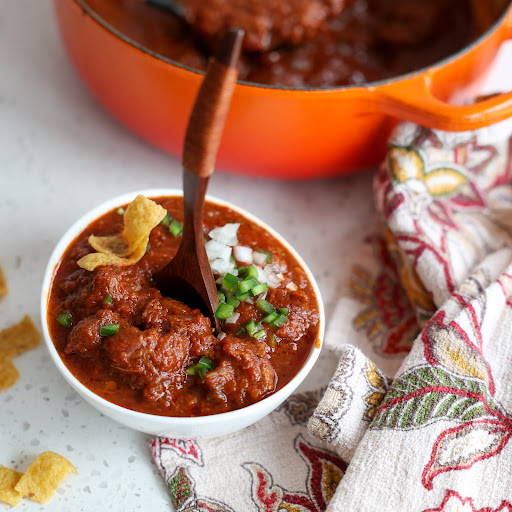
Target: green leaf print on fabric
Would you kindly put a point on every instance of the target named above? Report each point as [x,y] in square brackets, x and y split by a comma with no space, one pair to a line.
[427,394]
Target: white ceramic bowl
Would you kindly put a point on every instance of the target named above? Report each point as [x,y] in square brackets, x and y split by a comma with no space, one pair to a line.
[193,427]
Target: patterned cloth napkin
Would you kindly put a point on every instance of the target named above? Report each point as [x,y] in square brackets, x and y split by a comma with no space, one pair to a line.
[418,415]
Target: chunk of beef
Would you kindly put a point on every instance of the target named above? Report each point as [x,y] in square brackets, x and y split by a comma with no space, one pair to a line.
[302,313]
[148,360]
[171,315]
[127,286]
[243,372]
[267,23]
[85,338]
[154,359]
[165,364]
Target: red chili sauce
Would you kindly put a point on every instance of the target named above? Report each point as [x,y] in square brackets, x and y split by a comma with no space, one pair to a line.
[144,365]
[369,40]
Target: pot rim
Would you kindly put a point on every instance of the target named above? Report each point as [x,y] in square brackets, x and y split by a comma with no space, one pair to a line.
[450,58]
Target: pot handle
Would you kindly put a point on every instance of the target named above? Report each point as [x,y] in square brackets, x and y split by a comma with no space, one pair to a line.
[413,100]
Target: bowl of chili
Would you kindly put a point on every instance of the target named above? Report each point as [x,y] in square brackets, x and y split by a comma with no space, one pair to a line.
[309,130]
[153,363]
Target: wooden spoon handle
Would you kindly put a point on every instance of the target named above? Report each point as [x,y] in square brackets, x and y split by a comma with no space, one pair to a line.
[206,121]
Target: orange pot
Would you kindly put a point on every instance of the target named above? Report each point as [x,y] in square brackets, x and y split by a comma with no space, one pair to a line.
[276,132]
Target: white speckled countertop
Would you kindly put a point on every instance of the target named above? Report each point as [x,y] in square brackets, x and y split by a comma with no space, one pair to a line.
[60,155]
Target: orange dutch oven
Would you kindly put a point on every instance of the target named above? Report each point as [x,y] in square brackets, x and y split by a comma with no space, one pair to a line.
[274,131]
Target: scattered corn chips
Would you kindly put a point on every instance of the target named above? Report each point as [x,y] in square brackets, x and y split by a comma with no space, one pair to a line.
[3,283]
[19,337]
[8,479]
[140,217]
[13,341]
[43,476]
[8,373]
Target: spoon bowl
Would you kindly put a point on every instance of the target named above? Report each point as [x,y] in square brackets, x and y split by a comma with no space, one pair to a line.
[188,275]
[189,271]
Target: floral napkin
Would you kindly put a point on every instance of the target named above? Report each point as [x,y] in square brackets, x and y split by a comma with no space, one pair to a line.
[418,415]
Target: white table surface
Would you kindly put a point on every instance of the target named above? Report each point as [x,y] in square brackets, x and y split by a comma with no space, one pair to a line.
[60,155]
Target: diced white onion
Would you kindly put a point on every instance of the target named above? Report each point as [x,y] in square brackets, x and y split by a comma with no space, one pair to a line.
[224,243]
[222,267]
[263,295]
[273,281]
[233,318]
[225,234]
[273,276]
[221,335]
[216,250]
[292,286]
[259,258]
[262,275]
[242,253]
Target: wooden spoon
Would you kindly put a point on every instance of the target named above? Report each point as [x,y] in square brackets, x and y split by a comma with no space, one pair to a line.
[188,275]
